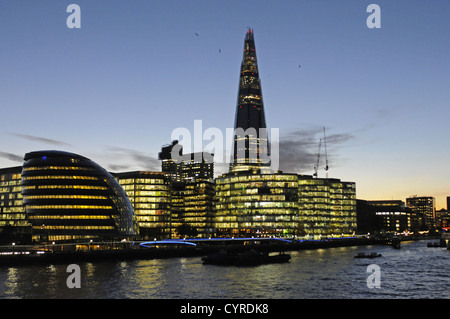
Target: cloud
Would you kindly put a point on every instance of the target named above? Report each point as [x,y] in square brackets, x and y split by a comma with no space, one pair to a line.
[129,159]
[11,157]
[299,149]
[40,139]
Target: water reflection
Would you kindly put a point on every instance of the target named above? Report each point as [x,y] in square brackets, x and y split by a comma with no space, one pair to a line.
[414,271]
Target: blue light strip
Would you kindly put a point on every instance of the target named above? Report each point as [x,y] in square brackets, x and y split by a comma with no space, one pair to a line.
[222,239]
[147,244]
[190,241]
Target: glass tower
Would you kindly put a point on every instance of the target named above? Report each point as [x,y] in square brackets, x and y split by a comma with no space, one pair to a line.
[251,147]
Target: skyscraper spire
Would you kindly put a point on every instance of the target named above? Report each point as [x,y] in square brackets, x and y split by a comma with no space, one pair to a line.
[250,139]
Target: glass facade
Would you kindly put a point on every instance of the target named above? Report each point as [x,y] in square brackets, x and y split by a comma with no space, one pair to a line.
[424,206]
[254,204]
[190,167]
[327,207]
[169,209]
[149,194]
[68,197]
[200,166]
[250,140]
[192,191]
[169,166]
[280,204]
[13,219]
[194,209]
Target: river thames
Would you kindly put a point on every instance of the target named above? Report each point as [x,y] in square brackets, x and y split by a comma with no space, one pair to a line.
[414,271]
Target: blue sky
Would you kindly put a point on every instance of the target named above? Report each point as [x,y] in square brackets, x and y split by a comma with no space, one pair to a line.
[115,89]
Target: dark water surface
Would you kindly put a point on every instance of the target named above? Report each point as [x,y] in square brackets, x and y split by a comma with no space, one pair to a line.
[414,271]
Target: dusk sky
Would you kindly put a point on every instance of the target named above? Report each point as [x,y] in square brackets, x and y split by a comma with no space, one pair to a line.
[115,89]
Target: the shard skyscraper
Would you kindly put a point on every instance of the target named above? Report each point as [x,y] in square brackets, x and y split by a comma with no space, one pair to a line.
[251,145]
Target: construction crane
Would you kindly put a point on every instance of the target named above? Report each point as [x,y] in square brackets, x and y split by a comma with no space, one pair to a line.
[318,159]
[318,156]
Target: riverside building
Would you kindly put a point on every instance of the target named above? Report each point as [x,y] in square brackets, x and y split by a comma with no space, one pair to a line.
[14,225]
[327,207]
[425,206]
[68,197]
[250,203]
[283,204]
[194,208]
[192,191]
[149,194]
[385,217]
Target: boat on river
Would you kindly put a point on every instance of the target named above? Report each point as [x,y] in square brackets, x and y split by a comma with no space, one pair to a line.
[247,258]
[364,255]
[437,244]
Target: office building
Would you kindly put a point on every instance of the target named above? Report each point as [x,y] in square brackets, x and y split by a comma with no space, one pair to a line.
[193,208]
[442,219]
[186,167]
[327,207]
[424,206]
[198,166]
[384,217]
[250,203]
[14,225]
[192,194]
[284,204]
[170,166]
[149,194]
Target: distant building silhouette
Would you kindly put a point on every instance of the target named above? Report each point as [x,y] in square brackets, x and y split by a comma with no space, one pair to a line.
[383,217]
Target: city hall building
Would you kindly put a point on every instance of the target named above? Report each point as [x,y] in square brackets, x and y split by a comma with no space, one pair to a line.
[68,197]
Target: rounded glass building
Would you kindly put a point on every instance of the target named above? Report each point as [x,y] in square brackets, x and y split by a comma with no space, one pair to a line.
[68,197]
